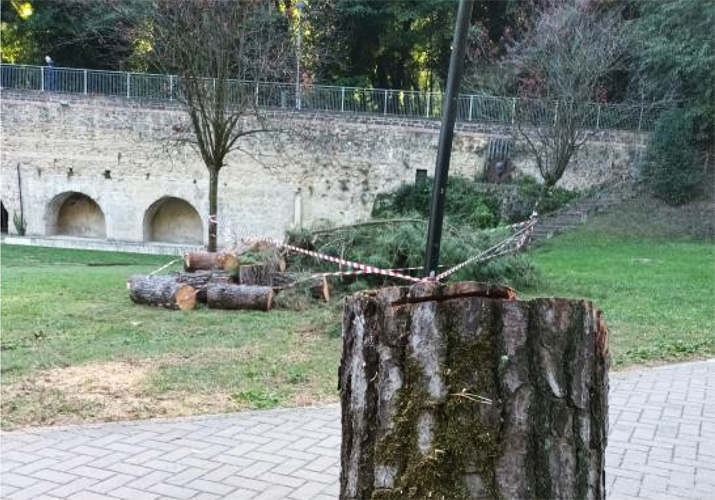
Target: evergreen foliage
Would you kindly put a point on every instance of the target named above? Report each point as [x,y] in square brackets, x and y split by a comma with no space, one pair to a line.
[400,245]
[672,169]
[475,204]
[675,52]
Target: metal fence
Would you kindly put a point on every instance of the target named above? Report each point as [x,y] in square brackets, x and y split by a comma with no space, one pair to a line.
[478,108]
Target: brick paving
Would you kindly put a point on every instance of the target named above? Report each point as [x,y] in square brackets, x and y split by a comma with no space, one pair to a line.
[662,445]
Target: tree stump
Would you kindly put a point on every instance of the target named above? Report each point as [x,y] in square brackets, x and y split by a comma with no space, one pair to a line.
[228,296]
[161,291]
[448,392]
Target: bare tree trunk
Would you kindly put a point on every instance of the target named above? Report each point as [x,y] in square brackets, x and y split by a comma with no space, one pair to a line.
[213,208]
[449,394]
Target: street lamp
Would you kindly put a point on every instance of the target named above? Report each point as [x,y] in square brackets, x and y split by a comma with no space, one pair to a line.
[300,6]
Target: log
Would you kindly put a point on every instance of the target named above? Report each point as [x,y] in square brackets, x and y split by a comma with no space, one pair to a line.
[161,291]
[195,261]
[230,296]
[200,280]
[256,275]
[318,286]
[446,393]
[320,289]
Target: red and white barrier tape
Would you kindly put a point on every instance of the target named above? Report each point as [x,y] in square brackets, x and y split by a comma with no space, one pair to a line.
[520,237]
[329,258]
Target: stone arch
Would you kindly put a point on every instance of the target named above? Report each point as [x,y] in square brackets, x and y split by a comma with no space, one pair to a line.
[4,219]
[173,220]
[75,214]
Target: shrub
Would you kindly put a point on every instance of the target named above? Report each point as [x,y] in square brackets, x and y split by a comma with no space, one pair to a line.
[481,206]
[465,204]
[528,191]
[671,168]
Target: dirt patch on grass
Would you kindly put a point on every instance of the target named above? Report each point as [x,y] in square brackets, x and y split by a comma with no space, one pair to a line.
[123,390]
[115,390]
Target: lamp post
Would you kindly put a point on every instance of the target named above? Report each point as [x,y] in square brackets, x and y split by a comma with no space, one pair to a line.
[444,152]
[300,6]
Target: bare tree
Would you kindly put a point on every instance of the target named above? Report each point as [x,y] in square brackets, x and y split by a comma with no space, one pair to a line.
[562,64]
[223,52]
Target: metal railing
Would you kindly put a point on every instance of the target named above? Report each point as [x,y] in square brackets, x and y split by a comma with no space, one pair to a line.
[478,108]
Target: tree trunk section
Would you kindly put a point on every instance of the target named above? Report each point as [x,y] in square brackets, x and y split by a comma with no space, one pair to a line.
[228,296]
[320,289]
[213,207]
[256,275]
[161,291]
[449,392]
[203,261]
[318,286]
[200,281]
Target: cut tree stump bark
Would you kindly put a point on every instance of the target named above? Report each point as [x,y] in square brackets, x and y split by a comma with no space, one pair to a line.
[450,393]
[197,261]
[228,296]
[200,280]
[161,291]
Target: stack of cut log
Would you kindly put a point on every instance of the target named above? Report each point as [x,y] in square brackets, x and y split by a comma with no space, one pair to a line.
[219,281]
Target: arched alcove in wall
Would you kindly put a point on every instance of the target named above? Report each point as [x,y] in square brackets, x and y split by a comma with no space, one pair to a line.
[75,214]
[4,219]
[173,220]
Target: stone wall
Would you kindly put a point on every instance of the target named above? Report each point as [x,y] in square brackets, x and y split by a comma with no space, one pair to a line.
[122,154]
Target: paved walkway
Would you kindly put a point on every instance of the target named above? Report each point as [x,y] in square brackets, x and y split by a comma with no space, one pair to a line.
[662,445]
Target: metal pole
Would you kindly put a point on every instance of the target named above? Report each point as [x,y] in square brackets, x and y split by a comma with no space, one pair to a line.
[342,100]
[85,82]
[384,111]
[427,108]
[171,88]
[444,152]
[128,91]
[513,111]
[42,78]
[471,105]
[598,116]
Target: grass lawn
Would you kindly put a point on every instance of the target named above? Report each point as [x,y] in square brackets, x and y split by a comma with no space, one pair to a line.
[75,348]
[651,268]
[658,296]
